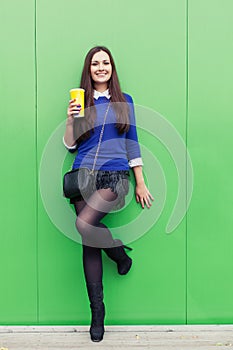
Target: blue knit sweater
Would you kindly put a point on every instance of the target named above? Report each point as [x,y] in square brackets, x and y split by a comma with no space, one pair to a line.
[116,149]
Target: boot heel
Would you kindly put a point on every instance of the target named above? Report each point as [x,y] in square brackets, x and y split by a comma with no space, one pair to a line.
[117,253]
[126,247]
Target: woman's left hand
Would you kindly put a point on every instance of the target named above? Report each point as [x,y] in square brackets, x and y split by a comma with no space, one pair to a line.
[143,195]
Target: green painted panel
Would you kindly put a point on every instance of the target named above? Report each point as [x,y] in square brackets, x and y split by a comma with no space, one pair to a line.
[148,42]
[18,240]
[210,240]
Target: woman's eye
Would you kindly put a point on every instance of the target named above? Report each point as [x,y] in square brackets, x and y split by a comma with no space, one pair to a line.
[96,63]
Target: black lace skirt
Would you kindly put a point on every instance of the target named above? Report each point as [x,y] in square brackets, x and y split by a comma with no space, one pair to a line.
[116,180]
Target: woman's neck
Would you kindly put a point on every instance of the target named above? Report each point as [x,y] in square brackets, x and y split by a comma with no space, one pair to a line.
[101,87]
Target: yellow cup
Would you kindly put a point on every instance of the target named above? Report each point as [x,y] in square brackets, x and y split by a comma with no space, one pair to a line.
[78,95]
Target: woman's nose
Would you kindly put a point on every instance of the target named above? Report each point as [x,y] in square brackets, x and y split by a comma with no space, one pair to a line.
[101,66]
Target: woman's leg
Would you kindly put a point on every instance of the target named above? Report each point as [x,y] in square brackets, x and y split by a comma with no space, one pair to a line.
[92,259]
[94,233]
[87,217]
[89,224]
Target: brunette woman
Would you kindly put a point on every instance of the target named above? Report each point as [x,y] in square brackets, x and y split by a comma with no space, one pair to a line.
[105,104]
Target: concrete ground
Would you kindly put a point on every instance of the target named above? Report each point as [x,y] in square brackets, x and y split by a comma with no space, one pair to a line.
[118,337]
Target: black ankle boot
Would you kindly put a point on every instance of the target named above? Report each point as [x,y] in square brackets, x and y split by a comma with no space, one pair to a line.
[95,293]
[117,253]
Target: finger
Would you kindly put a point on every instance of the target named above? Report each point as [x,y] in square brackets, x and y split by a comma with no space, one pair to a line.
[147,200]
[75,109]
[73,105]
[137,198]
[148,203]
[74,113]
[69,112]
[151,197]
[142,202]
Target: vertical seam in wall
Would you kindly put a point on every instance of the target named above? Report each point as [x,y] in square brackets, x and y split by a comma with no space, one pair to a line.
[36,160]
[186,159]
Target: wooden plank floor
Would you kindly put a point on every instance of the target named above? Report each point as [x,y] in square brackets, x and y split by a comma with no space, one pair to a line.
[118,337]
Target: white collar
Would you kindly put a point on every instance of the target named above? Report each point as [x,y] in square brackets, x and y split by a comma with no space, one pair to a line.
[98,94]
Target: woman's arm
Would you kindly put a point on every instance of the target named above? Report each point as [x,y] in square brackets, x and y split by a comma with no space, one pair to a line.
[72,110]
[69,133]
[135,161]
[141,191]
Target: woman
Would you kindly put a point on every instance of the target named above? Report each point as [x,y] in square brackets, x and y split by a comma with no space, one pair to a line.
[119,150]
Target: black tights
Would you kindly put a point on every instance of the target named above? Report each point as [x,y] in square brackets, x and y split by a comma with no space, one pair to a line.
[95,235]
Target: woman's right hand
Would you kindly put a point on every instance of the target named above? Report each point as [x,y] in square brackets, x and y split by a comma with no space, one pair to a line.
[73,110]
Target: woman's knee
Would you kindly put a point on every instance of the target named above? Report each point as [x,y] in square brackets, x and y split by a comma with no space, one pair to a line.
[82,226]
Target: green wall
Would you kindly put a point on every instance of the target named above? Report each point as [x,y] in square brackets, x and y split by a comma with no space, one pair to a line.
[173,57]
[210,239]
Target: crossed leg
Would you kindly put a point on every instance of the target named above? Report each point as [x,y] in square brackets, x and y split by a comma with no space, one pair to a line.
[95,235]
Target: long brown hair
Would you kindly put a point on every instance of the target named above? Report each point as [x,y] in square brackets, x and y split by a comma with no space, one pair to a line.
[121,109]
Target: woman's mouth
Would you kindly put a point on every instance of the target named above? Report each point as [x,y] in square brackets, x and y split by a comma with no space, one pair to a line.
[101,74]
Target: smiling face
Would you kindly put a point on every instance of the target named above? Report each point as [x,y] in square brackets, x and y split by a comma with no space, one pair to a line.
[101,70]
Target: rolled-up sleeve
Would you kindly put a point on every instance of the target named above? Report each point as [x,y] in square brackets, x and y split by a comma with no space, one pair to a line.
[135,162]
[69,148]
[132,145]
